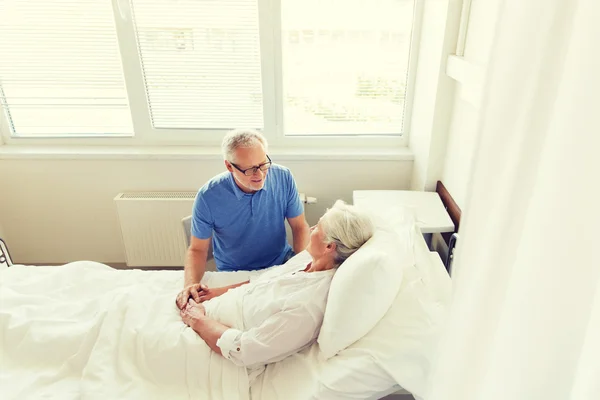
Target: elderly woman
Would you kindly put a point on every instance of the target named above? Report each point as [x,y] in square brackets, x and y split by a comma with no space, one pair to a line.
[281,310]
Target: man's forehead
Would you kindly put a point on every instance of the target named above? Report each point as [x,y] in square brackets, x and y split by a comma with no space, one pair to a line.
[252,156]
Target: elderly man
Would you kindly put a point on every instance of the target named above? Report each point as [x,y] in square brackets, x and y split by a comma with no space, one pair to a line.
[243,211]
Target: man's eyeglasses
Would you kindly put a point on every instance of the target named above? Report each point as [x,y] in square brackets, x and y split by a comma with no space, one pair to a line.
[251,171]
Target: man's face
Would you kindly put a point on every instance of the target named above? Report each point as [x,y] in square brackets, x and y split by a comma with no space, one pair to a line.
[248,157]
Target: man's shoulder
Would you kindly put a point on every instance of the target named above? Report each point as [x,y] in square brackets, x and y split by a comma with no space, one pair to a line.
[280,170]
[215,186]
[282,175]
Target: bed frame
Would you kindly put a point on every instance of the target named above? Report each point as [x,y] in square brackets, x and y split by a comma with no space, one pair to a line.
[455,213]
[5,260]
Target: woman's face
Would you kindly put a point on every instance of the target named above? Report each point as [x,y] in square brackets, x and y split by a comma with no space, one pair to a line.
[316,244]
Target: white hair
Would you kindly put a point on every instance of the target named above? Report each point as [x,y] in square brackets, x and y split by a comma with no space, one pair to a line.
[347,227]
[237,138]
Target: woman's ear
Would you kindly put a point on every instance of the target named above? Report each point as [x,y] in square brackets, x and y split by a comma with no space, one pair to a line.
[331,247]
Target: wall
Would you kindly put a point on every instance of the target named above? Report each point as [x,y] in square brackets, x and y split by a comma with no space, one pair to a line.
[463,127]
[60,210]
[433,100]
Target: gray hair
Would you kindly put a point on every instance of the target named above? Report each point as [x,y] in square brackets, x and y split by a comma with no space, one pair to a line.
[347,227]
[241,138]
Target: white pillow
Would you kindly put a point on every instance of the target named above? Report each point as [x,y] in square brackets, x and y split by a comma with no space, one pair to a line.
[365,286]
[403,343]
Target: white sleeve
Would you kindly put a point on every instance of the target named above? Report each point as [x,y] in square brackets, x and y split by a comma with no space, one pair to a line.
[280,335]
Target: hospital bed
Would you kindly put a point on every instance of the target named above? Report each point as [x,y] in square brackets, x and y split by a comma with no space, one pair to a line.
[354,372]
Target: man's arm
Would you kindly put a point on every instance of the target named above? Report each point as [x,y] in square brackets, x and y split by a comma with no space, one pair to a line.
[300,232]
[195,265]
[195,261]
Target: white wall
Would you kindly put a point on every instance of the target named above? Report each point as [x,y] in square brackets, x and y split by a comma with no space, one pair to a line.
[60,210]
[463,127]
[460,150]
[434,94]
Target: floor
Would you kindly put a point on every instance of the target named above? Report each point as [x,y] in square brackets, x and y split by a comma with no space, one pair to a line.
[210,266]
[399,397]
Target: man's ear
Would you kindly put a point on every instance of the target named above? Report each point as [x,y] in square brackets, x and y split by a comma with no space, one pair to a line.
[228,166]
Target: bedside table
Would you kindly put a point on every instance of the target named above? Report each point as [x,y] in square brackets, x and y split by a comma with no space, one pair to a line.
[430,211]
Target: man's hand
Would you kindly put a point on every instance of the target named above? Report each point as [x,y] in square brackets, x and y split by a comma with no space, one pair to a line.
[191,291]
[209,293]
[192,313]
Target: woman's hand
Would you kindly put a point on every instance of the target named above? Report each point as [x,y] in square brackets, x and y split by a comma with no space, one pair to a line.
[192,313]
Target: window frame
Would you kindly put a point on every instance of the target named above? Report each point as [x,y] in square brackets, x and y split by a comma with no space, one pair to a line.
[269,12]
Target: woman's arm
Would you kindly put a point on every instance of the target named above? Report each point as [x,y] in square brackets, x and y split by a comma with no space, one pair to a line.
[282,334]
[209,293]
[209,330]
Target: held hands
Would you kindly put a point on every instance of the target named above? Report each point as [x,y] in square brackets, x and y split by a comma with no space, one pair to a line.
[190,292]
[199,293]
[192,313]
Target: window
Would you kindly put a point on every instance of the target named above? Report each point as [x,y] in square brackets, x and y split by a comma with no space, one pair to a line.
[181,70]
[60,69]
[201,63]
[345,72]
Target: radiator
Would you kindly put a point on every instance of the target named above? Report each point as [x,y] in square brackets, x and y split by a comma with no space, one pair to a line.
[151,226]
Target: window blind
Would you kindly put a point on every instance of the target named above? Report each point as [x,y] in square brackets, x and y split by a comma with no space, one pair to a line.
[60,69]
[201,62]
[345,72]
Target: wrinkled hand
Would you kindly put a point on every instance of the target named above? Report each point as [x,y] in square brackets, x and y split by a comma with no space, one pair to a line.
[209,293]
[192,291]
[192,313]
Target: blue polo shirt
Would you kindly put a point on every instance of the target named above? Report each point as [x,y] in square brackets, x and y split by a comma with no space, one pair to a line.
[248,230]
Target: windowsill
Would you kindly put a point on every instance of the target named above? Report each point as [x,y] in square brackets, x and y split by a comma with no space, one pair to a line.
[190,153]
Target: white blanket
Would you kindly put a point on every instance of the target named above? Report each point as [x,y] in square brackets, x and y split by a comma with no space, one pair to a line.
[294,378]
[87,331]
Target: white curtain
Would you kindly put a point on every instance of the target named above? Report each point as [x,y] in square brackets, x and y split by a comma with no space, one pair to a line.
[525,319]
